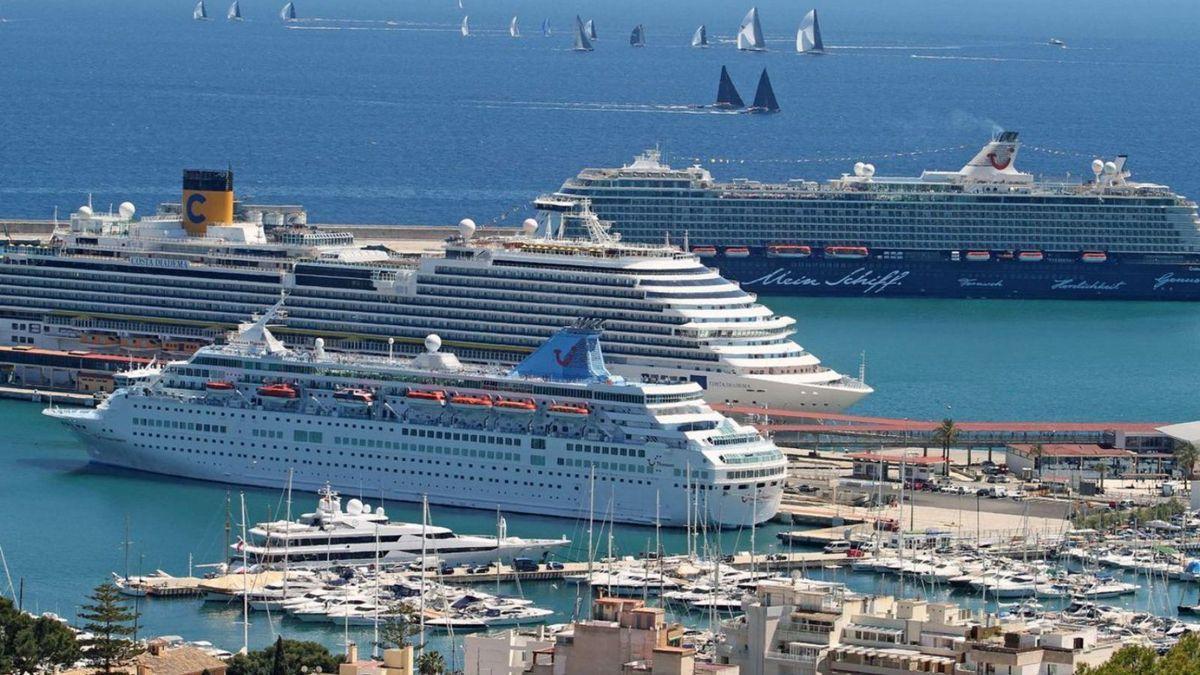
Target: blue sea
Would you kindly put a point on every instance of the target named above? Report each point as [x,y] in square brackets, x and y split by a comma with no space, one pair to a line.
[368,111]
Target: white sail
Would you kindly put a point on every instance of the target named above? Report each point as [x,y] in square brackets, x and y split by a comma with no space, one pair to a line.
[513,30]
[590,27]
[808,38]
[750,34]
[582,43]
[200,12]
[288,13]
[546,27]
[700,38]
[235,12]
[465,29]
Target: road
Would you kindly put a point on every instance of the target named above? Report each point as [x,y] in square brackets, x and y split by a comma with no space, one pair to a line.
[1038,508]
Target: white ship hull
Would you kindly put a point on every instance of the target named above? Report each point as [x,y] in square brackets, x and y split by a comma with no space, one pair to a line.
[405,473]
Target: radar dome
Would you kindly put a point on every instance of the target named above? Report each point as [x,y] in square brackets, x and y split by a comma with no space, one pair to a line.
[868,170]
[85,211]
[1110,168]
[127,209]
[466,228]
[1097,165]
[354,507]
[433,342]
[858,168]
[529,226]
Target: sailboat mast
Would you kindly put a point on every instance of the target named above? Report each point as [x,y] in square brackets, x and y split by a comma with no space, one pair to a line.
[245,582]
[591,524]
[127,549]
[424,523]
[287,529]
[228,528]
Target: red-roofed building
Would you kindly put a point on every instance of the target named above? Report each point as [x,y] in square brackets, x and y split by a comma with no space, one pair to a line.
[878,466]
[1072,459]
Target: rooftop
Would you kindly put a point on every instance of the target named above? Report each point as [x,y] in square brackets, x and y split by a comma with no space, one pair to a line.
[1069,450]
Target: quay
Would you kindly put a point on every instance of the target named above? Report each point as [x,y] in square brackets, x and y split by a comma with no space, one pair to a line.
[47,396]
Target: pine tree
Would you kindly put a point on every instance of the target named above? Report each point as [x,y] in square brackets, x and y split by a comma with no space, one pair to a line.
[111,623]
[279,658]
[430,663]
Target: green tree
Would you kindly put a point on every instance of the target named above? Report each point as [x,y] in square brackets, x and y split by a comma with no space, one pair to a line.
[278,658]
[946,435]
[1101,470]
[111,624]
[33,645]
[1038,451]
[1184,657]
[1186,457]
[397,631]
[296,655]
[430,663]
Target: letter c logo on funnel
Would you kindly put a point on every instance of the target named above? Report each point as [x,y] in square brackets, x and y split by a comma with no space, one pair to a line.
[192,216]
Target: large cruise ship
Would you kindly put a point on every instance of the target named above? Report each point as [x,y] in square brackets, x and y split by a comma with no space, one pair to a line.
[180,279]
[986,230]
[556,435]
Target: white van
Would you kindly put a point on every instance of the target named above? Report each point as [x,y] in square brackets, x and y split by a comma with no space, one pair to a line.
[838,546]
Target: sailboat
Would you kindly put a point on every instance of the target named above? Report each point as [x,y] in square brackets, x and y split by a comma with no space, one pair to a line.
[764,97]
[590,27]
[545,27]
[727,95]
[465,29]
[638,37]
[513,30]
[582,43]
[808,38]
[750,35]
[700,37]
[235,12]
[288,13]
[200,13]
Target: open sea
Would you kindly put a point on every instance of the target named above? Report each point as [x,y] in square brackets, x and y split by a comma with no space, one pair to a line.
[368,111]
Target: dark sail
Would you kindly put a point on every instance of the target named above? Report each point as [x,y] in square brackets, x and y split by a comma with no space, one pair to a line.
[727,95]
[764,98]
[638,37]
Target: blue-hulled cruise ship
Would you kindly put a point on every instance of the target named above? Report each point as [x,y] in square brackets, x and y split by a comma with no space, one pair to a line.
[986,230]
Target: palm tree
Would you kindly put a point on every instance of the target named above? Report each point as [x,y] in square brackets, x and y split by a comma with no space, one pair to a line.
[430,663]
[1038,451]
[946,434]
[1186,457]
[1101,469]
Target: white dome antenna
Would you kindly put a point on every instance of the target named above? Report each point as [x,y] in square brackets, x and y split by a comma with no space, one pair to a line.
[466,228]
[127,210]
[868,170]
[529,226]
[433,342]
[858,169]
[1110,168]
[1097,166]
[85,211]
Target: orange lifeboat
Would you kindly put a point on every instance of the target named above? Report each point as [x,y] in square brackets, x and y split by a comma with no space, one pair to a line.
[1030,256]
[217,385]
[568,410]
[788,251]
[704,251]
[846,251]
[425,396]
[978,256]
[1094,257]
[282,390]
[471,402]
[737,252]
[518,406]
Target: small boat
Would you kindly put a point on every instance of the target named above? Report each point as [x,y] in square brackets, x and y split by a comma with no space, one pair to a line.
[750,33]
[1055,42]
[219,388]
[764,96]
[638,37]
[590,27]
[700,37]
[425,396]
[513,30]
[704,251]
[1030,256]
[582,42]
[788,251]
[1188,609]
[516,406]
[471,402]
[200,13]
[737,252]
[808,38]
[464,28]
[568,410]
[1094,257]
[235,12]
[545,27]
[353,398]
[288,13]
[852,252]
[281,390]
[727,94]
[978,256]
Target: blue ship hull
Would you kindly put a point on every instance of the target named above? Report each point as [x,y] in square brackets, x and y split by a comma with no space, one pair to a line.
[903,274]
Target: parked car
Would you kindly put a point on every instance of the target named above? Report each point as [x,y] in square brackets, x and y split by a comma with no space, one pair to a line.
[808,488]
[524,565]
[838,546]
[554,565]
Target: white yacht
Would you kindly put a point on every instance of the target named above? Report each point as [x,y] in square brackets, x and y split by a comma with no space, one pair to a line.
[557,435]
[359,535]
[172,282]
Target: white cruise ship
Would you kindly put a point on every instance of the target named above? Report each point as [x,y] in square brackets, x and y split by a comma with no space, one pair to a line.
[166,284]
[556,435]
[359,534]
